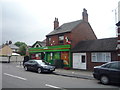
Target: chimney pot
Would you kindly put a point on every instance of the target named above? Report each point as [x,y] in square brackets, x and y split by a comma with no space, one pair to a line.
[85,15]
[56,23]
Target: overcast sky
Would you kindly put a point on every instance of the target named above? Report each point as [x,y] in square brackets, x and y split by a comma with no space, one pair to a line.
[31,20]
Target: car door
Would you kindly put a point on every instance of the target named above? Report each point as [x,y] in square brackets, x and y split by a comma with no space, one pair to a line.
[114,72]
[34,65]
[29,65]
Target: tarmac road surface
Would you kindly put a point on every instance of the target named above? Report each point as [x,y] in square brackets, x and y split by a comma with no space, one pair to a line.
[14,76]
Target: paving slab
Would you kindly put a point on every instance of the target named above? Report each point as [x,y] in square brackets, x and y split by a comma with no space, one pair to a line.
[74,73]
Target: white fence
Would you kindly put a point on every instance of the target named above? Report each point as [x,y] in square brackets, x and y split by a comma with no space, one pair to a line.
[12,58]
[17,58]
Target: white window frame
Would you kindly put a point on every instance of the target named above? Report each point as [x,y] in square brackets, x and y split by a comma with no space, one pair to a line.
[61,37]
[101,57]
[49,40]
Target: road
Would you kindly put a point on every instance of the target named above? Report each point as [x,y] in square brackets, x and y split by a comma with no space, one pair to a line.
[14,76]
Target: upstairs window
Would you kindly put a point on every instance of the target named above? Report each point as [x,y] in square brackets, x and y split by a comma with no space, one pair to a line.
[49,40]
[61,39]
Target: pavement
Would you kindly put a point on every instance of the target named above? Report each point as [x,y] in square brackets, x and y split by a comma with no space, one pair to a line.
[76,73]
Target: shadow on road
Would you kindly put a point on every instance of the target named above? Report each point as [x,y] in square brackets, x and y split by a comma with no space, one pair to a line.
[111,84]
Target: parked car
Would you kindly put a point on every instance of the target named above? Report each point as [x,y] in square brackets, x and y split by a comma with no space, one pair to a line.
[39,66]
[107,73]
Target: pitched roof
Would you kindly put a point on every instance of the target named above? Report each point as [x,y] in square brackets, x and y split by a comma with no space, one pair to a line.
[108,44]
[66,27]
[12,46]
[42,44]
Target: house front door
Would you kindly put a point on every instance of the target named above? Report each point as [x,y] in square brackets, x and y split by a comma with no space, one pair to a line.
[79,61]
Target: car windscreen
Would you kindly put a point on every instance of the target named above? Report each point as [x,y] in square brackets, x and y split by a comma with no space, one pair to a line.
[42,63]
[113,65]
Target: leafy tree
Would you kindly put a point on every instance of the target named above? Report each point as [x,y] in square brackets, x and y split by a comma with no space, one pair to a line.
[22,47]
[19,43]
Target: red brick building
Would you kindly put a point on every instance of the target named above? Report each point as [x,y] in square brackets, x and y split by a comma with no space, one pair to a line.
[94,53]
[76,44]
[69,34]
[89,53]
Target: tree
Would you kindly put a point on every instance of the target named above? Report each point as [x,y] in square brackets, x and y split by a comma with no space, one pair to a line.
[19,43]
[22,47]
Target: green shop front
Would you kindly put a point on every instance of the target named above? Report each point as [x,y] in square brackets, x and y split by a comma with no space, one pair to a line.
[53,53]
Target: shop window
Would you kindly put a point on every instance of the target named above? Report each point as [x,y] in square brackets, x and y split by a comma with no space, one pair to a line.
[51,56]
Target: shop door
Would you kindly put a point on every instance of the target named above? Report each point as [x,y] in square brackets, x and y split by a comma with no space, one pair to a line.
[79,60]
[65,57]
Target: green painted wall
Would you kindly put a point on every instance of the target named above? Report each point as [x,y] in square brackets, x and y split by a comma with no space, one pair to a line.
[50,49]
[56,52]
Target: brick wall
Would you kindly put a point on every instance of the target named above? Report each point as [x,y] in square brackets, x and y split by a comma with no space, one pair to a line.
[90,64]
[82,32]
[55,40]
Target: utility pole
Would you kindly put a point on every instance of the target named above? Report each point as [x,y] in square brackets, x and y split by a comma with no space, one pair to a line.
[115,13]
[118,11]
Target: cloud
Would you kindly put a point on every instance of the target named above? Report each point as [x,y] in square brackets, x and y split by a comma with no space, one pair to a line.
[31,20]
[17,24]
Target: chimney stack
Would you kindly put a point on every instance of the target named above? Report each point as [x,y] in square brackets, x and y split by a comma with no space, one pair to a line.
[56,23]
[85,15]
[118,40]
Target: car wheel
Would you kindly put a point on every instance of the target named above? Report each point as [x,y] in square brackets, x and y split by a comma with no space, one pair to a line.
[39,70]
[25,68]
[104,79]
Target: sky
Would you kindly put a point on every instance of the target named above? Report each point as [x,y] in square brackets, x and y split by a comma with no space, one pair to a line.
[31,20]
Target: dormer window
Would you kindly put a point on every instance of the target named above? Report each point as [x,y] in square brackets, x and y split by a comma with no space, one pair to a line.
[61,39]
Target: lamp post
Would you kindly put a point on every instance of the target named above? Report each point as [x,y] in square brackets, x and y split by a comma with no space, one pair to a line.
[9,56]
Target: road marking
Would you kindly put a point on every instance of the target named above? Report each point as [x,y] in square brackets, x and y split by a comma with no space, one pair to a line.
[15,76]
[51,86]
[54,87]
